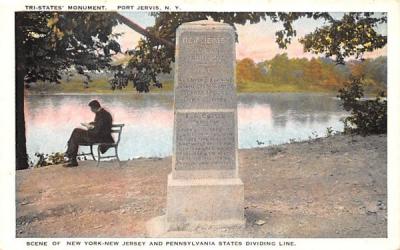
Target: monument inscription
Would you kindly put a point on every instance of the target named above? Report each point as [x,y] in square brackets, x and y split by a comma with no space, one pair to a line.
[205,71]
[205,140]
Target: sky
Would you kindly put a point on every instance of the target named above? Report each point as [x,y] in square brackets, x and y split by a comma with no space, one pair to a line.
[256,41]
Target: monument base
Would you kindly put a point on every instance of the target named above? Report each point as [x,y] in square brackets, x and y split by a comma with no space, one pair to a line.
[198,207]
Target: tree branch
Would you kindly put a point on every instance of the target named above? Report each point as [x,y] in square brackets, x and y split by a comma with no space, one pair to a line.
[143,31]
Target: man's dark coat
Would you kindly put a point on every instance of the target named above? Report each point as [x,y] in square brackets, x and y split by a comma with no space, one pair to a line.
[102,127]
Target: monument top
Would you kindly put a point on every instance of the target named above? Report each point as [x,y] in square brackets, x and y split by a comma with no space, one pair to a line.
[204,24]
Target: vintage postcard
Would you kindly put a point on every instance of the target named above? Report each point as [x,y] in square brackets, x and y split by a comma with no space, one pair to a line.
[217,124]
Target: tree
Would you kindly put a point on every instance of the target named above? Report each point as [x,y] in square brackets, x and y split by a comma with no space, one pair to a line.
[357,68]
[280,69]
[313,72]
[377,70]
[48,43]
[246,69]
[352,35]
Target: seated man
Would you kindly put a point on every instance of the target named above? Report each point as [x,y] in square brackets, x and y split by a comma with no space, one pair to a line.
[99,131]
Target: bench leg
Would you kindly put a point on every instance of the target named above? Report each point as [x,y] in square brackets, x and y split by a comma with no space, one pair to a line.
[98,156]
[91,152]
[116,155]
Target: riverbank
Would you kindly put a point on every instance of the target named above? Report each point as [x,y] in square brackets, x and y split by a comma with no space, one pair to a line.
[330,187]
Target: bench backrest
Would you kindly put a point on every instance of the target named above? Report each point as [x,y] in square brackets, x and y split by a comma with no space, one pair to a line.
[117,129]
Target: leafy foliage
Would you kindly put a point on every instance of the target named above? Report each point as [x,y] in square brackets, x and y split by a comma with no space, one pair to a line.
[329,132]
[120,78]
[54,158]
[147,61]
[366,116]
[309,74]
[48,159]
[352,35]
[48,43]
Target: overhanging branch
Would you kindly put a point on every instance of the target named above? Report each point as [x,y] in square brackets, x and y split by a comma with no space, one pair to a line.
[143,31]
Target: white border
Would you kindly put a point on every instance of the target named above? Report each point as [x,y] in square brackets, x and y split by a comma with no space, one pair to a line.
[7,151]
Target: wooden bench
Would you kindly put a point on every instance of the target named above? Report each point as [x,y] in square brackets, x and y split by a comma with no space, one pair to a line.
[115,129]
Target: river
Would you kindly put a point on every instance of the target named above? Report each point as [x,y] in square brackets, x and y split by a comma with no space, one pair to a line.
[263,119]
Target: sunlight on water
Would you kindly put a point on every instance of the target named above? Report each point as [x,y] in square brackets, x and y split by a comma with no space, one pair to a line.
[263,119]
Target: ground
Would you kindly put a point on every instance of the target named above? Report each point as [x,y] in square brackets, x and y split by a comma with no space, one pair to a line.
[331,187]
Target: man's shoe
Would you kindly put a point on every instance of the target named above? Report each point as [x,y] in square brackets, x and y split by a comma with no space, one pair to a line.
[71,164]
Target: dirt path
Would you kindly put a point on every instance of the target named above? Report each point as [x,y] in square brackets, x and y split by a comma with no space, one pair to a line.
[332,187]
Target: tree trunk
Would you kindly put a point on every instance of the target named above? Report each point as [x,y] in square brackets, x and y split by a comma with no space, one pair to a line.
[21,157]
[20,137]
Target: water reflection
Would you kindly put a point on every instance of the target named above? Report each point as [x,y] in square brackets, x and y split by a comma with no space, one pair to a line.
[148,119]
[290,116]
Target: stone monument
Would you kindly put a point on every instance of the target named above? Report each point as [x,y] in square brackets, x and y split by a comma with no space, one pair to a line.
[204,189]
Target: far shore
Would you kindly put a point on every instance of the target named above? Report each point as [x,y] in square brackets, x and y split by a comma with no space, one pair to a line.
[102,86]
[368,96]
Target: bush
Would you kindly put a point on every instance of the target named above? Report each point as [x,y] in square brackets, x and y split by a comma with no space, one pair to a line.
[366,116]
[48,159]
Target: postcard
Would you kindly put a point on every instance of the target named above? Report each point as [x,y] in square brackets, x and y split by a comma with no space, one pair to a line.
[260,125]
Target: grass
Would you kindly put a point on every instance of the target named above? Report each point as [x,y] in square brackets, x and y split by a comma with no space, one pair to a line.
[261,87]
[167,86]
